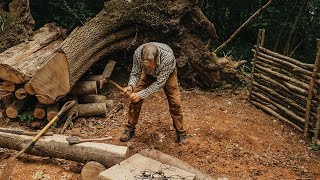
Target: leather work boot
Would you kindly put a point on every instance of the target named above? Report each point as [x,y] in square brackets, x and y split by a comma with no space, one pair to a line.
[181,138]
[127,135]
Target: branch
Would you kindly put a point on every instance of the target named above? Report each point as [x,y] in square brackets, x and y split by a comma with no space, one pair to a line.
[240,28]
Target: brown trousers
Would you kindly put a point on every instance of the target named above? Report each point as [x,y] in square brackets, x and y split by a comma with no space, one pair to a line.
[171,90]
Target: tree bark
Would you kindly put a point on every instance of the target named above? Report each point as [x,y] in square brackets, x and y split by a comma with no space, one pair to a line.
[56,146]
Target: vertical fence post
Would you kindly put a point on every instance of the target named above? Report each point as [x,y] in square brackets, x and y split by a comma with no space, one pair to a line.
[254,61]
[316,130]
[311,86]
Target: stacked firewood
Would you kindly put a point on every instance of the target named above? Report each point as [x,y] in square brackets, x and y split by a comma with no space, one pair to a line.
[39,65]
[285,87]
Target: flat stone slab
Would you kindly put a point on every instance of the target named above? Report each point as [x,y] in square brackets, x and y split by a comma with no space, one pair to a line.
[141,167]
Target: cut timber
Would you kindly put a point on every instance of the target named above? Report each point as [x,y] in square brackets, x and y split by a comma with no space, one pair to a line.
[52,111]
[52,80]
[39,111]
[56,146]
[91,170]
[15,108]
[19,63]
[92,98]
[6,100]
[172,161]
[85,87]
[29,88]
[92,109]
[21,93]
[124,170]
[9,86]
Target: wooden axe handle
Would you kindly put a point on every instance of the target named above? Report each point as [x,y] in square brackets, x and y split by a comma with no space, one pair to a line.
[116,85]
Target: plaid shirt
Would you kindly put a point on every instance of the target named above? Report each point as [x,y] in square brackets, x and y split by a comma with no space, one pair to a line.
[165,65]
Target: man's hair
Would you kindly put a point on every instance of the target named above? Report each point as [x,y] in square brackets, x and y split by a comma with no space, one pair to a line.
[149,52]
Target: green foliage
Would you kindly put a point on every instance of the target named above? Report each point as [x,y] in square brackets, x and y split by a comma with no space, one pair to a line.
[26,117]
[65,13]
[278,20]
[54,125]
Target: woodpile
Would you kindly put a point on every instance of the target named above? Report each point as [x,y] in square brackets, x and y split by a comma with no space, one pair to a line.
[285,87]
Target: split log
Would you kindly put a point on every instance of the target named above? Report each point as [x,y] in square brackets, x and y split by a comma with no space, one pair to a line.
[15,108]
[56,146]
[9,86]
[85,87]
[275,114]
[92,109]
[21,93]
[19,63]
[52,111]
[39,111]
[92,98]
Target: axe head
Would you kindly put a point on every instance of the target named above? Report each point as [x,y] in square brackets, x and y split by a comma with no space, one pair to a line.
[108,69]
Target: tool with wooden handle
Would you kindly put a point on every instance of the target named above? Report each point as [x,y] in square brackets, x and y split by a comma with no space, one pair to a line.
[64,109]
[7,170]
[76,139]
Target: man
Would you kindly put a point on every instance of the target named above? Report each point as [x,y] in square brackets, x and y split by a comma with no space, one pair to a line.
[154,68]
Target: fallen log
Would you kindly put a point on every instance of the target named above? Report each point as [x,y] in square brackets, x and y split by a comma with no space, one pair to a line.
[56,146]
[29,89]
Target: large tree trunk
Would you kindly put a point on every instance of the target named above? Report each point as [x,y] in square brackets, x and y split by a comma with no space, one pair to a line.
[121,27]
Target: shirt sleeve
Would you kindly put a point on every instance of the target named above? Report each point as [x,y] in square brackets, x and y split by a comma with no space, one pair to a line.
[161,80]
[136,68]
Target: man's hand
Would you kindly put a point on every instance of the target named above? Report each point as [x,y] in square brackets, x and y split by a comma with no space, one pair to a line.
[134,97]
[127,90]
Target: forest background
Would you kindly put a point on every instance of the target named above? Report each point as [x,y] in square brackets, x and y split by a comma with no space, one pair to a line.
[292,26]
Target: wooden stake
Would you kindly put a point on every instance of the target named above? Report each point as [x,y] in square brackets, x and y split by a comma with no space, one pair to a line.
[316,130]
[311,86]
[254,62]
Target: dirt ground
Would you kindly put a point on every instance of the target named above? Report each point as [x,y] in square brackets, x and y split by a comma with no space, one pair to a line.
[229,138]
